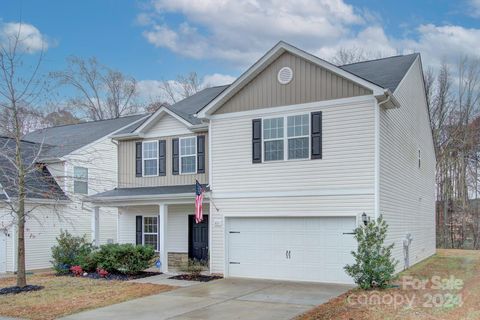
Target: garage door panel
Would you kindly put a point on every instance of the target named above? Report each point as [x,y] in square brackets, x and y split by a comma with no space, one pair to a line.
[307,248]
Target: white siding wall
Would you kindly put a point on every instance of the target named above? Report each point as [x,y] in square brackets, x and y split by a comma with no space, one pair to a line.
[177,224]
[101,160]
[167,126]
[41,230]
[342,183]
[407,192]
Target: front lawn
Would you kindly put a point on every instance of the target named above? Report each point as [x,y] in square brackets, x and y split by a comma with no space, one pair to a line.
[66,295]
[445,286]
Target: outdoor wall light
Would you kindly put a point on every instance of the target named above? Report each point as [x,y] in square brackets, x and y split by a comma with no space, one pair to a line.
[364,218]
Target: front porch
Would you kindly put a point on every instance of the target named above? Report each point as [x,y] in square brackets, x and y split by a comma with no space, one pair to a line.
[163,221]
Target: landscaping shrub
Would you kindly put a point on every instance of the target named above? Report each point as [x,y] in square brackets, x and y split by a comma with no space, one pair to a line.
[70,251]
[193,267]
[374,266]
[124,258]
[77,271]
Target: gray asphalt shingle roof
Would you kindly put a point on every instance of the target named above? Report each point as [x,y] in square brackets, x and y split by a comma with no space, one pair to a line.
[39,182]
[146,191]
[68,138]
[386,72]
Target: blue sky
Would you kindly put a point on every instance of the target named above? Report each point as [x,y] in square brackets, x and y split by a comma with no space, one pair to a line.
[159,39]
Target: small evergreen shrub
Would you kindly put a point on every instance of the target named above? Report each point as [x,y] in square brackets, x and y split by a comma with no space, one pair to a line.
[70,251]
[193,267]
[374,266]
[124,258]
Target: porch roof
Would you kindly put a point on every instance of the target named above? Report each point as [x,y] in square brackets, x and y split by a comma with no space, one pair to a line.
[144,193]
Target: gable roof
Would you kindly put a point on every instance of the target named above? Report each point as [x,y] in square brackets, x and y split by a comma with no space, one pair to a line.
[39,182]
[184,111]
[65,139]
[385,72]
[271,56]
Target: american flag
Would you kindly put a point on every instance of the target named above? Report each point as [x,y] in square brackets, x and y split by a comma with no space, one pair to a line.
[199,190]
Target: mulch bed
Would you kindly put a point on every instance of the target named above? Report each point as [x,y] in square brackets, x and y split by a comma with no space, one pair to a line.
[119,276]
[15,290]
[200,277]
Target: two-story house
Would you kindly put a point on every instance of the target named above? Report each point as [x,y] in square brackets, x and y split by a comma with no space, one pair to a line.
[74,161]
[295,153]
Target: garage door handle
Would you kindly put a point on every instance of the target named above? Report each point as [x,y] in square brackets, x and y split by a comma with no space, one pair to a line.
[234,232]
[349,233]
[234,262]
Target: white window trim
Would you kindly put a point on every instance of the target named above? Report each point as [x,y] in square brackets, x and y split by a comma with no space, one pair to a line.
[150,233]
[143,159]
[286,138]
[79,179]
[180,156]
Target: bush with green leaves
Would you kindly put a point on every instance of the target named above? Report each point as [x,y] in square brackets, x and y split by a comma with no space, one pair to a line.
[374,266]
[124,258]
[70,251]
[193,267]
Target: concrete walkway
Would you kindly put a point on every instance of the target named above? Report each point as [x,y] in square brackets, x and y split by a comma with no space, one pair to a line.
[223,299]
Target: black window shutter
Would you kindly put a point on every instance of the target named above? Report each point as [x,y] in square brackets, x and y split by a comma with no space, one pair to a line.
[316,135]
[139,231]
[257,140]
[200,154]
[175,156]
[162,157]
[138,159]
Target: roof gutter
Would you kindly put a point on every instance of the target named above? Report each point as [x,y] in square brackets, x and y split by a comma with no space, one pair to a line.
[387,100]
[169,196]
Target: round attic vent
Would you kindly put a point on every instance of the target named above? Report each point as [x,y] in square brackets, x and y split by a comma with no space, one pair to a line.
[285,75]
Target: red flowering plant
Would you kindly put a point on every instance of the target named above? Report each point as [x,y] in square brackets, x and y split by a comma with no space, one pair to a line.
[102,273]
[77,271]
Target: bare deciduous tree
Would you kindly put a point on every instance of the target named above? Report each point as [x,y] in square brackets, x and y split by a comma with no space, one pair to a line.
[102,93]
[353,55]
[20,89]
[183,87]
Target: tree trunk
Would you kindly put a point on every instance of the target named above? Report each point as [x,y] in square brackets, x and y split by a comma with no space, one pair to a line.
[21,274]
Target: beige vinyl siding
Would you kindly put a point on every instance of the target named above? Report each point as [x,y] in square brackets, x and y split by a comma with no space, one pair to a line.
[310,83]
[126,165]
[407,192]
[340,184]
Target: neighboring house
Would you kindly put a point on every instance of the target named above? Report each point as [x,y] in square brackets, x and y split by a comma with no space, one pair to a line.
[79,160]
[293,153]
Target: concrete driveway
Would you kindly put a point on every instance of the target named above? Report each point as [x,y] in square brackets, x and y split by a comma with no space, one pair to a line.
[223,299]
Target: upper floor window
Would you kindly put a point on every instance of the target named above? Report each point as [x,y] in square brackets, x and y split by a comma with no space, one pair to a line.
[188,155]
[80,180]
[150,158]
[291,133]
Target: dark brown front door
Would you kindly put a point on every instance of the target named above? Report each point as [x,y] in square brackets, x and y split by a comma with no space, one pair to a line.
[198,238]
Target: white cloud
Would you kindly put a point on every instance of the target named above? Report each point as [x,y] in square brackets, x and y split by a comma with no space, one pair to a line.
[151,90]
[444,43]
[31,40]
[475,6]
[241,30]
[217,79]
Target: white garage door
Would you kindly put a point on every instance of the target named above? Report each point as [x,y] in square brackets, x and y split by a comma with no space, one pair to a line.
[3,251]
[305,249]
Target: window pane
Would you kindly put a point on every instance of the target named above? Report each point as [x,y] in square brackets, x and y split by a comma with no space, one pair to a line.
[298,148]
[274,150]
[187,146]
[150,240]
[188,164]
[150,224]
[297,125]
[150,149]
[80,173]
[273,128]
[150,167]
[80,187]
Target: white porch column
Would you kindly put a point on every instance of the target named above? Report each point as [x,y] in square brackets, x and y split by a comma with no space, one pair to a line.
[163,217]
[95,226]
